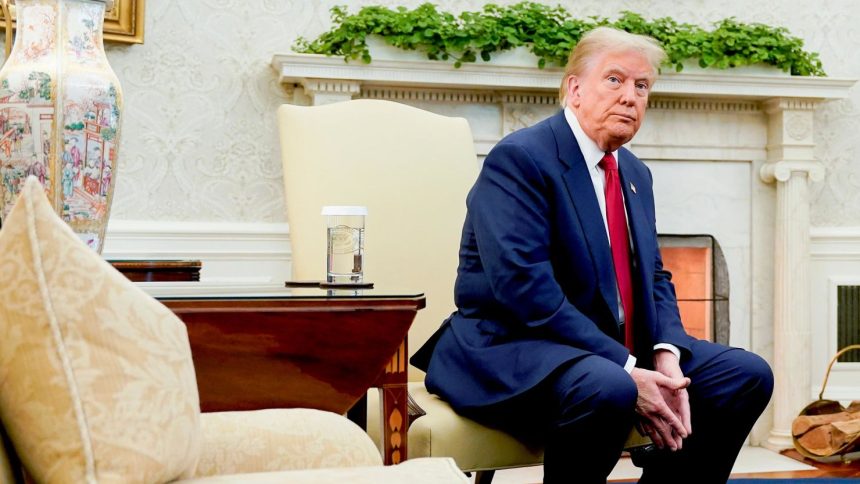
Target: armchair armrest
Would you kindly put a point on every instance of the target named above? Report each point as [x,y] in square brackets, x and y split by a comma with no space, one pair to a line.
[281,439]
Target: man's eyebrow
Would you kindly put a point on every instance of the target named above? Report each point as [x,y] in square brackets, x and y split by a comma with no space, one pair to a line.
[615,69]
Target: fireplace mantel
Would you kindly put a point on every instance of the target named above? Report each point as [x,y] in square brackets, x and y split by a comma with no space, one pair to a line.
[306,69]
[759,124]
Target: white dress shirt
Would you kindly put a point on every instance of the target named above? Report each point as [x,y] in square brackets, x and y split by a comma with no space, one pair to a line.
[593,154]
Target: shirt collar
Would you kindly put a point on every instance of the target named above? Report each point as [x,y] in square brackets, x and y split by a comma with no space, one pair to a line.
[590,151]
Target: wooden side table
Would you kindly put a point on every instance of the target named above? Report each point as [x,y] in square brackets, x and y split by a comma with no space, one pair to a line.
[309,348]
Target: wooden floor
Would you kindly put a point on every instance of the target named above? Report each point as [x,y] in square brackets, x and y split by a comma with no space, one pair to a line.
[851,469]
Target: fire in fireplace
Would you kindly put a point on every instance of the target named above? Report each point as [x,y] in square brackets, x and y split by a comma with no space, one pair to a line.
[701,279]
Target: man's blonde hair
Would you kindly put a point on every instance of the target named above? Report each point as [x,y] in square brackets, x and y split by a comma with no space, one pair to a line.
[602,40]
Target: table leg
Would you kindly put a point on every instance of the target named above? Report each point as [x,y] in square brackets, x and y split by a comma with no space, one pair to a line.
[395,417]
[395,423]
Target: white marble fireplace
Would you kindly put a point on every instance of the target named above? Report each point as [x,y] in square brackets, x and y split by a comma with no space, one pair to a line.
[731,154]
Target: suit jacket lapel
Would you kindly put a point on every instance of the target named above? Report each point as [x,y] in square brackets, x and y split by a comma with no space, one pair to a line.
[581,190]
[640,228]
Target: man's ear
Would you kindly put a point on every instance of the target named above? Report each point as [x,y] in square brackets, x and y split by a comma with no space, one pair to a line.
[574,96]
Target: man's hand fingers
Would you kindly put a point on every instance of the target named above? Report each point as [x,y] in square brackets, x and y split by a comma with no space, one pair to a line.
[684,410]
[679,442]
[656,393]
[667,427]
[666,414]
[672,383]
[665,433]
[650,431]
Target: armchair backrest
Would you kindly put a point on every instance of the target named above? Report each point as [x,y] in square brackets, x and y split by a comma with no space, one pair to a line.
[411,168]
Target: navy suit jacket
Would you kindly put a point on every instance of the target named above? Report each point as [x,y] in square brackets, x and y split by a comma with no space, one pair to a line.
[535,283]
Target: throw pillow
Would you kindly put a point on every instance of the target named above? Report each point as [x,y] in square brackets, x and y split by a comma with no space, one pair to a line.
[96,378]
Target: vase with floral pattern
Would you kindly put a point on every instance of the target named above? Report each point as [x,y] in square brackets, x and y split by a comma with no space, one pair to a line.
[60,105]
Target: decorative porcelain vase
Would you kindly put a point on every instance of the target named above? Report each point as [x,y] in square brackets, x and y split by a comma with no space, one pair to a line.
[60,105]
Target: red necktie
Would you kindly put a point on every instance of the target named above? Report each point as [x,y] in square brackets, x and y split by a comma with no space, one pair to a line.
[619,242]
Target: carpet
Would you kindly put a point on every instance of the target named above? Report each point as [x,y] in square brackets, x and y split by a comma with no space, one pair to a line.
[751,459]
[828,480]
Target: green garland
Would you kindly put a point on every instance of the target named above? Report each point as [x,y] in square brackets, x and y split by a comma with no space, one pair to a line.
[550,33]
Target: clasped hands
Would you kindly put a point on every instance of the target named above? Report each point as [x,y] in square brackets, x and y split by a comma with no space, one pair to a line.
[663,404]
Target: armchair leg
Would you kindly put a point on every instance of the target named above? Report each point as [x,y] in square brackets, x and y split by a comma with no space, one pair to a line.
[484,477]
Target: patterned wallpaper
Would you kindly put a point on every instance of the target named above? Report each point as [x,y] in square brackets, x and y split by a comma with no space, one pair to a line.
[199,137]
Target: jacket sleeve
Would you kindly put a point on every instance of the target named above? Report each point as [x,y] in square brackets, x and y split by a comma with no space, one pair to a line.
[509,209]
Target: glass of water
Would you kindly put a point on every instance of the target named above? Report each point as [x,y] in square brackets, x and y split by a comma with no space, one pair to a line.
[345,243]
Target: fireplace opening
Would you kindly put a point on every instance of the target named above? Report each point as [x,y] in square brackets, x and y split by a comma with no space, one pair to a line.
[701,279]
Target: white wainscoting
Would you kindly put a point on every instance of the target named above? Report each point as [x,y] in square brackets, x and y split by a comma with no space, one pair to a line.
[834,261]
[238,258]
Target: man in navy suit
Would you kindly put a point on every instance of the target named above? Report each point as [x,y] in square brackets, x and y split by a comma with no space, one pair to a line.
[567,326]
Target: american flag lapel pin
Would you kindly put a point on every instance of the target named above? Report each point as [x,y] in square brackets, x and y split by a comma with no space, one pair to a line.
[632,187]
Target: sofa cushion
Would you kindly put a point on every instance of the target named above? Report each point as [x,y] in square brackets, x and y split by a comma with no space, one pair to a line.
[281,439]
[96,378]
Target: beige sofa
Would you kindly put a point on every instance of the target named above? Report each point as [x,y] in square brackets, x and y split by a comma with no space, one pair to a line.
[289,446]
[97,384]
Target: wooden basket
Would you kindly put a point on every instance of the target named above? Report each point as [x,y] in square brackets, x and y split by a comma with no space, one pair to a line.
[825,430]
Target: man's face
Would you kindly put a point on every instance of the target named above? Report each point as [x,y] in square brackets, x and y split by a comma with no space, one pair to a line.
[609,99]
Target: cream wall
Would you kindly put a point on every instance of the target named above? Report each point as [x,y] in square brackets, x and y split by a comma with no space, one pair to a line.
[199,142]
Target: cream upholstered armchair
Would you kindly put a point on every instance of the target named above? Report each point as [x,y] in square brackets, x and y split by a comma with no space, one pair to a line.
[97,384]
[412,169]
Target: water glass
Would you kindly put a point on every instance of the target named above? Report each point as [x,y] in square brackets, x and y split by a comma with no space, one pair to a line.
[345,243]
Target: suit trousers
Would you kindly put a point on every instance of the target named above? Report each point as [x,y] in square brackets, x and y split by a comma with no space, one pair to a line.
[583,412]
